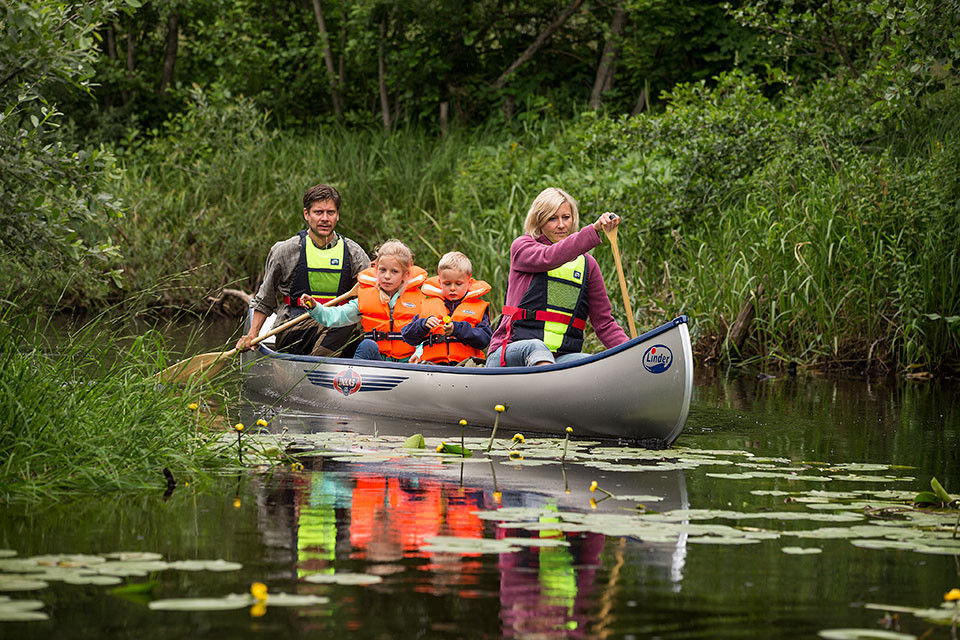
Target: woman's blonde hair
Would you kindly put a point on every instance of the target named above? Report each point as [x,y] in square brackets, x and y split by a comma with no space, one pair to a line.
[393,248]
[455,261]
[544,206]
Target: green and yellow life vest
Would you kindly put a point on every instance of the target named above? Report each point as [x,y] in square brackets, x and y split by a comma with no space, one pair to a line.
[554,308]
[321,273]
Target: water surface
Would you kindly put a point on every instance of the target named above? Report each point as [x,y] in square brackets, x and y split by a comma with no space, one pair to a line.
[378,515]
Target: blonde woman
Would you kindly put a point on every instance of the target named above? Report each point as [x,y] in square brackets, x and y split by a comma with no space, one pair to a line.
[554,287]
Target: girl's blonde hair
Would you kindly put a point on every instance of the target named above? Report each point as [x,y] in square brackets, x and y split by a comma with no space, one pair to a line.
[455,261]
[544,206]
[397,250]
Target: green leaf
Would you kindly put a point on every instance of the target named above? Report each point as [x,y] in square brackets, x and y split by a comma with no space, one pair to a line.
[456,449]
[925,497]
[415,442]
[940,491]
[135,588]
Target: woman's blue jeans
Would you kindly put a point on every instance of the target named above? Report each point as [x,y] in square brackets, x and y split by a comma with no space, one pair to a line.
[526,353]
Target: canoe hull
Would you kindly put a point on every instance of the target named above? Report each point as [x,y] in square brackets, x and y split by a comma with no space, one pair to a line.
[639,391]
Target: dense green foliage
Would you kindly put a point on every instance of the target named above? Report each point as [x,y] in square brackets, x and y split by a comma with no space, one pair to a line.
[53,192]
[431,52]
[799,154]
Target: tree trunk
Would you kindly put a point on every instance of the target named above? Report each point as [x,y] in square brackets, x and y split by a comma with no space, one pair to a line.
[538,43]
[608,59]
[444,116]
[328,61]
[643,100]
[131,46]
[382,78]
[112,55]
[170,55]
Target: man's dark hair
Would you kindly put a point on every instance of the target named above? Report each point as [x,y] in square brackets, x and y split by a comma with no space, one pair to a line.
[321,192]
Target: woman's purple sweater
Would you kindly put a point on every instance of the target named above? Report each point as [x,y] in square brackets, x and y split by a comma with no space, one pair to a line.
[530,255]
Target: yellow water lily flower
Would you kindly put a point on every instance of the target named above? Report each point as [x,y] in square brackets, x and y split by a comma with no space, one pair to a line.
[953,594]
[259,591]
[440,447]
[516,455]
[258,610]
[593,503]
[463,423]
[569,429]
[261,422]
[296,466]
[593,486]
[518,438]
[239,426]
[499,408]
[237,503]
[497,497]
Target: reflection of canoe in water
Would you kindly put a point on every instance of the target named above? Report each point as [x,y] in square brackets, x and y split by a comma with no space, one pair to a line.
[639,390]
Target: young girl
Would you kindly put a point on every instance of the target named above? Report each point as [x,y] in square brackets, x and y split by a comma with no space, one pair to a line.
[387,299]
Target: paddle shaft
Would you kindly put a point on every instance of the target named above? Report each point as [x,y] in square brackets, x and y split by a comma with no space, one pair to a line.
[612,235]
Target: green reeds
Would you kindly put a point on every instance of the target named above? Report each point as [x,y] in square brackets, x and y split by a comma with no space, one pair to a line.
[87,414]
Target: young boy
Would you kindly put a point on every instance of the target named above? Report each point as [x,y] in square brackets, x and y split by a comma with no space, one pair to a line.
[453,324]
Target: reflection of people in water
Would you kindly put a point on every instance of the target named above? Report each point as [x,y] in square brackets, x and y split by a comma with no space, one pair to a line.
[326,518]
[547,592]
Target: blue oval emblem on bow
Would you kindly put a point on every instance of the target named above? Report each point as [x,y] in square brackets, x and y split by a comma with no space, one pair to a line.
[657,358]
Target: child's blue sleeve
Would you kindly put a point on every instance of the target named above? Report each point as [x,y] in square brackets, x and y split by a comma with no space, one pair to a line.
[477,337]
[342,316]
[415,331]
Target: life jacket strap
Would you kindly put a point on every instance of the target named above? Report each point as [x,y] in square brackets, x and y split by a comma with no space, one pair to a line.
[378,336]
[517,313]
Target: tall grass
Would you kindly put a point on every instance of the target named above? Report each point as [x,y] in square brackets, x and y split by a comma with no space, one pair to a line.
[86,414]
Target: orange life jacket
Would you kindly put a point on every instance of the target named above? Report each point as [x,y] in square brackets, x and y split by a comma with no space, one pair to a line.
[438,347]
[383,324]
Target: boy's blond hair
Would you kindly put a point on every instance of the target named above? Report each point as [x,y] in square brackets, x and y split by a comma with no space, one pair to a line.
[395,249]
[544,206]
[455,261]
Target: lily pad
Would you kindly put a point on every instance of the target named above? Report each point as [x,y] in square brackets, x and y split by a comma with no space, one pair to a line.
[343,578]
[102,580]
[205,565]
[227,602]
[133,556]
[415,442]
[17,582]
[21,610]
[7,553]
[801,551]
[294,600]
[863,634]
[467,546]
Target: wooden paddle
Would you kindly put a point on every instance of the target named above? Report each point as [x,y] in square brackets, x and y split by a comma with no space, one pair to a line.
[612,234]
[208,364]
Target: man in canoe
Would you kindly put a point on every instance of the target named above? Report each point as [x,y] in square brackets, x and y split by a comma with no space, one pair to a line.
[318,262]
[554,287]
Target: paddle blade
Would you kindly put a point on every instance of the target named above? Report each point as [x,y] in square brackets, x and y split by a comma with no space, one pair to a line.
[206,365]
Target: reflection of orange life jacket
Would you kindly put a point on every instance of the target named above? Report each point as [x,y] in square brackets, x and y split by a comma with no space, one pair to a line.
[381,323]
[441,348]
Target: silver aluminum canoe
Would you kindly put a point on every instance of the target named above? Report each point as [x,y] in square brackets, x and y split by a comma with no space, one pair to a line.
[639,390]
